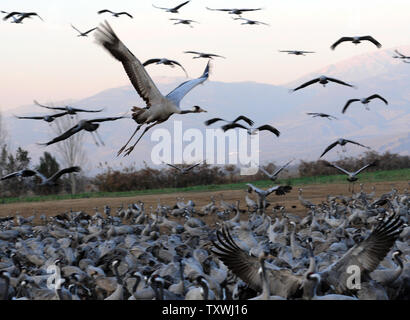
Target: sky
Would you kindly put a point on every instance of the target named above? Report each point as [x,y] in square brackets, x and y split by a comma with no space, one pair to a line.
[46,60]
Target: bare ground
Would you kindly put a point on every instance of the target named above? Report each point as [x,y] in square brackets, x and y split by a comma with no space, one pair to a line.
[313,193]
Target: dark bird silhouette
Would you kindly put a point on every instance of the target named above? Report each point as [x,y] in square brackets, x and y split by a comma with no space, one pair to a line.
[297,52]
[184,21]
[51,181]
[204,55]
[251,22]
[47,118]
[251,131]
[322,115]
[183,170]
[83,34]
[174,9]
[364,101]
[341,142]
[351,176]
[401,56]
[322,80]
[68,109]
[115,14]
[21,173]
[21,16]
[213,120]
[235,11]
[164,61]
[355,40]
[87,125]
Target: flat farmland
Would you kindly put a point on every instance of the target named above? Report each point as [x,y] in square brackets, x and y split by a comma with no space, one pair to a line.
[315,193]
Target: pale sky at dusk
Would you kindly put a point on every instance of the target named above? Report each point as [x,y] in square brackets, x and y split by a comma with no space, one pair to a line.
[48,62]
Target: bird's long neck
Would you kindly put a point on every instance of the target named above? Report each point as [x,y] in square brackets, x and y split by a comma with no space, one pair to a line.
[205,288]
[6,287]
[186,111]
[398,270]
[265,284]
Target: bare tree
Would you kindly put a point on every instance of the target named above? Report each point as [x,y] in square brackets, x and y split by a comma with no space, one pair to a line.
[71,150]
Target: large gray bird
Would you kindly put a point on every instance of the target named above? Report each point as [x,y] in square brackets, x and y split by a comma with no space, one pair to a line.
[364,101]
[356,40]
[341,142]
[174,9]
[322,80]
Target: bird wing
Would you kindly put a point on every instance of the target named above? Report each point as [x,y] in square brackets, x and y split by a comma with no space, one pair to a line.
[11,14]
[269,128]
[33,118]
[249,9]
[250,185]
[219,9]
[237,260]
[28,14]
[246,119]
[264,171]
[104,10]
[359,144]
[22,173]
[368,253]
[76,29]
[365,167]
[371,39]
[58,174]
[306,84]
[337,167]
[52,108]
[160,7]
[136,72]
[333,46]
[65,135]
[170,165]
[376,96]
[88,31]
[281,168]
[150,61]
[182,4]
[329,148]
[402,55]
[82,110]
[178,64]
[179,92]
[195,165]
[340,82]
[213,120]
[105,119]
[348,104]
[57,115]
[126,13]
[271,189]
[233,125]
[312,113]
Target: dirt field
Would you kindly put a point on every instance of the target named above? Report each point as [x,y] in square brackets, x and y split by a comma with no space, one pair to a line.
[313,193]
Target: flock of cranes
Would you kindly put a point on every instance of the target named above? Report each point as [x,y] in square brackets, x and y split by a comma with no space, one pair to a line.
[215,252]
[253,255]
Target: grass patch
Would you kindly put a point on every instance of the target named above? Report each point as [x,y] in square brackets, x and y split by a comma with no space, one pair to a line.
[377,176]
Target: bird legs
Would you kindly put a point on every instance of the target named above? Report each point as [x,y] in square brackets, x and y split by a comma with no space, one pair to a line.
[129,150]
[122,149]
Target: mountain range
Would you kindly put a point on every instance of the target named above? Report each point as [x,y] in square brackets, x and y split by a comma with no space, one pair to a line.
[383,128]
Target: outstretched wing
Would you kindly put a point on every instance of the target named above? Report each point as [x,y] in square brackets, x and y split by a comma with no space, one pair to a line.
[281,168]
[372,40]
[232,126]
[195,165]
[348,104]
[21,173]
[52,108]
[91,30]
[337,167]
[342,39]
[105,119]
[150,61]
[237,260]
[83,110]
[376,96]
[11,14]
[178,64]
[329,148]
[219,9]
[374,163]
[306,84]
[269,128]
[172,166]
[264,171]
[32,118]
[136,72]
[340,82]
[246,119]
[104,10]
[76,29]
[359,144]
[181,5]
[365,255]
[213,120]
[65,135]
[194,52]
[58,174]
[125,13]
[179,92]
